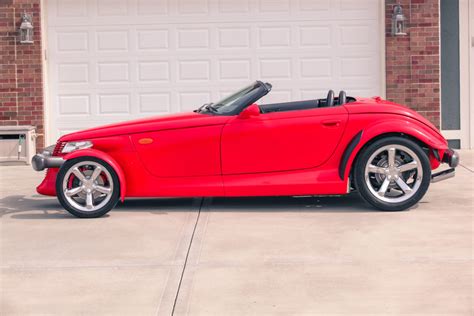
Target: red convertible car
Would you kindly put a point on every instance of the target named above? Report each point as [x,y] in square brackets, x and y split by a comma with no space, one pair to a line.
[235,147]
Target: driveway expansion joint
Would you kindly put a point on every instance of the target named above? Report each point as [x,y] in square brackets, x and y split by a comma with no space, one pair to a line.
[201,203]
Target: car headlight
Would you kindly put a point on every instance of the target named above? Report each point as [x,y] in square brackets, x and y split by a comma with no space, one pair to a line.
[73,146]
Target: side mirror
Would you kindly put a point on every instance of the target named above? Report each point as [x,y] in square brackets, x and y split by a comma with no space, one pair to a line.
[251,111]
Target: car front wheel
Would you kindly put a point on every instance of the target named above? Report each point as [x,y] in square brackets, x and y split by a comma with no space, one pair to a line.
[87,187]
[392,173]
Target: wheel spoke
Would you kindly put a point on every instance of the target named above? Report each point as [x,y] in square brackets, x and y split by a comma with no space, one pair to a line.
[402,184]
[376,169]
[96,173]
[89,200]
[73,191]
[391,156]
[102,189]
[79,174]
[409,166]
[383,187]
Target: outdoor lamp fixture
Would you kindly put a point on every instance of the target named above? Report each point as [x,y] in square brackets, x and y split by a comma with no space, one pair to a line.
[26,29]
[398,21]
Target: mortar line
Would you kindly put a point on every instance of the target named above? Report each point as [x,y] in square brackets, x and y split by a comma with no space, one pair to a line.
[187,255]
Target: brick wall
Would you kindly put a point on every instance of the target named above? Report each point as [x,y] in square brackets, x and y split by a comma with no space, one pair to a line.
[21,86]
[413,61]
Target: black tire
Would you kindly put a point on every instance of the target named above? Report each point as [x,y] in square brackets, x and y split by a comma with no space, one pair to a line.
[362,187]
[80,213]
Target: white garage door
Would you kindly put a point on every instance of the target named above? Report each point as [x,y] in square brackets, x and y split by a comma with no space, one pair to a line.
[114,60]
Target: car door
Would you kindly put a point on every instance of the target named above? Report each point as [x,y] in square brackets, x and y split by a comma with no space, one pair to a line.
[184,151]
[281,141]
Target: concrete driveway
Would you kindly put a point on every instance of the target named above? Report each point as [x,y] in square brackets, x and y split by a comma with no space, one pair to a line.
[310,255]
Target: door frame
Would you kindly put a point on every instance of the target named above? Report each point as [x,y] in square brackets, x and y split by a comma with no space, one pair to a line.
[466,56]
[470,57]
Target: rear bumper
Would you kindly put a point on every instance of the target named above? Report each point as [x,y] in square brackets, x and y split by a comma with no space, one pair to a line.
[443,175]
[451,157]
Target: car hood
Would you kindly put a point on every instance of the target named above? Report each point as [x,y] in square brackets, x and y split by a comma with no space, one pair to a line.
[377,105]
[172,121]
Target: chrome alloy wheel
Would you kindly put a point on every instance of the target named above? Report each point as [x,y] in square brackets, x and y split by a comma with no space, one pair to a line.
[393,173]
[88,186]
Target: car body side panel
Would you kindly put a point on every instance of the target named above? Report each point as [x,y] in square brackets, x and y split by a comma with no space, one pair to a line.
[151,186]
[325,179]
[185,152]
[319,180]
[281,141]
[187,159]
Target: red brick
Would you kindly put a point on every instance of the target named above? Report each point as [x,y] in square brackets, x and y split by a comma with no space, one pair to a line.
[21,85]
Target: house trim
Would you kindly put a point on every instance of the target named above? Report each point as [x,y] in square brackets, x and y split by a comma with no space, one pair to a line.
[465,133]
[44,58]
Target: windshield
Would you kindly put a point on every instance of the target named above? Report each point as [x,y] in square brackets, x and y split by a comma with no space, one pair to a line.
[235,102]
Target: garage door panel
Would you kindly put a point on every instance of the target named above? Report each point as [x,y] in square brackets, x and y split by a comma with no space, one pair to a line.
[261,36]
[112,41]
[275,68]
[315,68]
[154,102]
[118,59]
[114,103]
[113,72]
[348,9]
[68,8]
[74,105]
[72,41]
[315,5]
[189,101]
[231,37]
[73,73]
[148,40]
[193,38]
[274,36]
[314,36]
[194,70]
[153,71]
[100,12]
[231,6]
[234,69]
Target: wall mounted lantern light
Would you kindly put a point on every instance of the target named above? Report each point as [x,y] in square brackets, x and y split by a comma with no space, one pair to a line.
[26,29]
[398,21]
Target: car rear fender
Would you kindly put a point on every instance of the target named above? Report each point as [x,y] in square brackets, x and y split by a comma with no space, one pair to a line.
[413,129]
[105,157]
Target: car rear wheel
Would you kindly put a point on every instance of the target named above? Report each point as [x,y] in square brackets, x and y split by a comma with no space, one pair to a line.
[87,187]
[392,173]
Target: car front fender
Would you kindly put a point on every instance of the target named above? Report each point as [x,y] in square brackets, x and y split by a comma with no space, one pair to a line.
[105,157]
